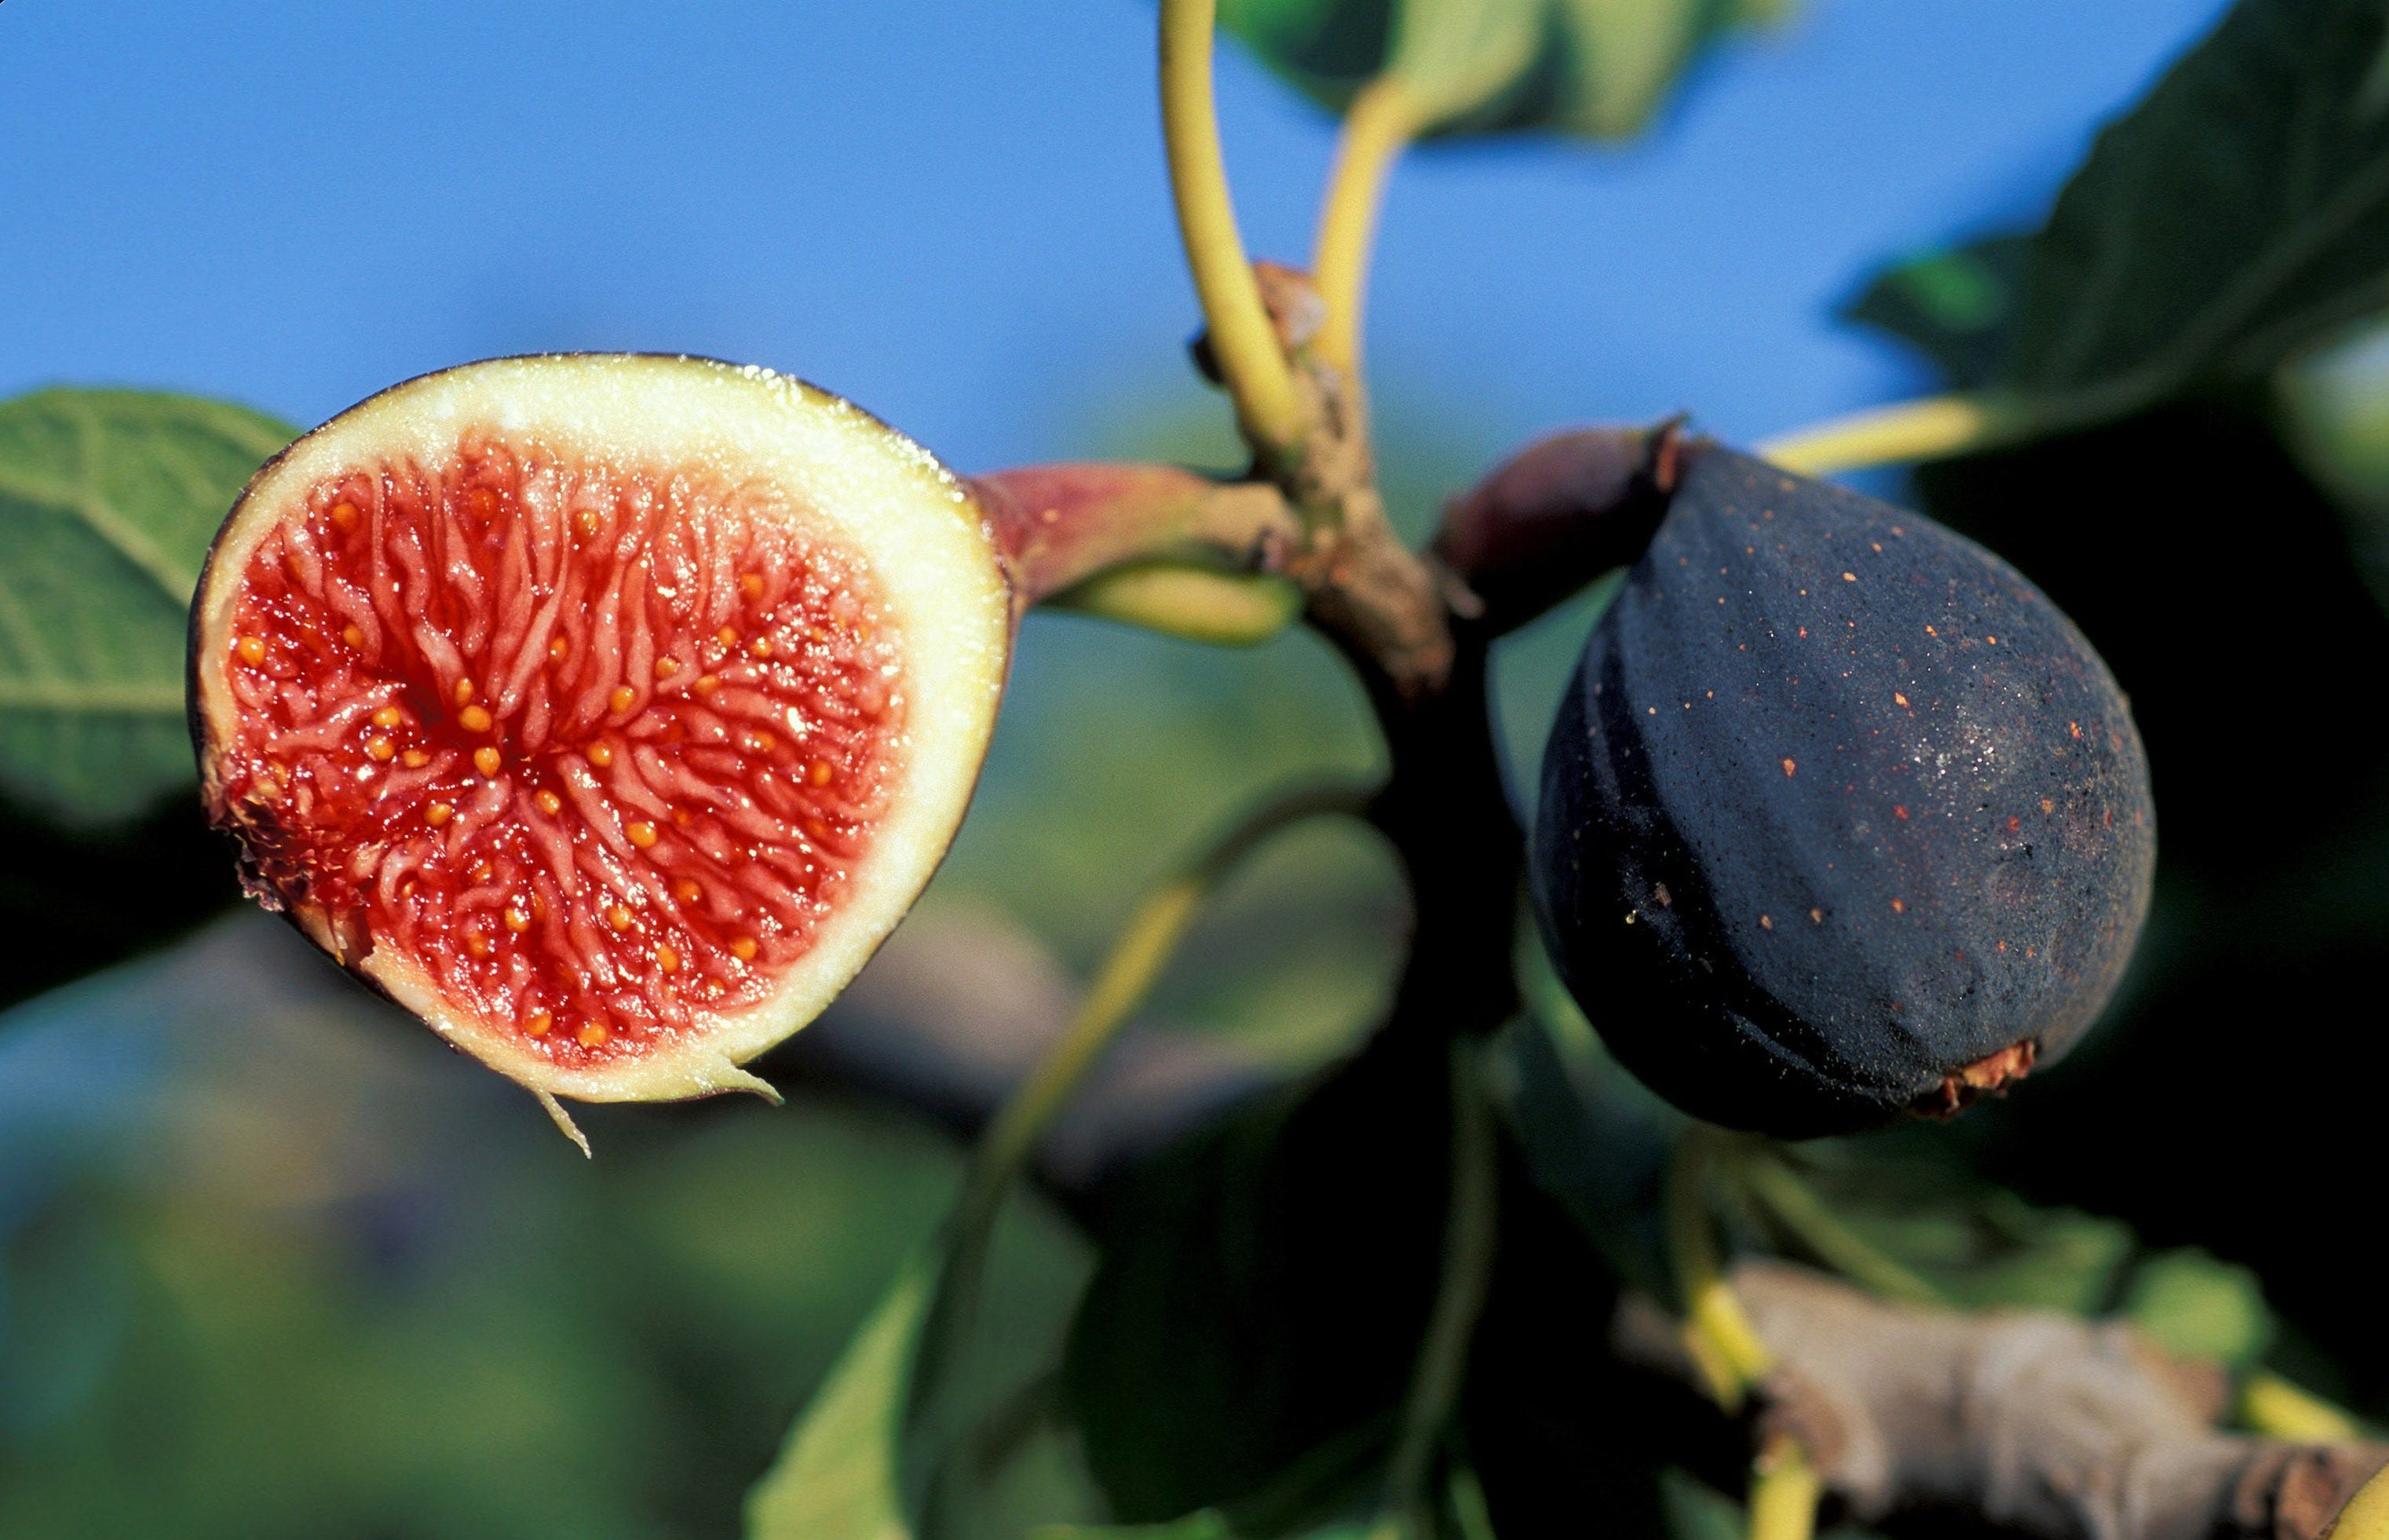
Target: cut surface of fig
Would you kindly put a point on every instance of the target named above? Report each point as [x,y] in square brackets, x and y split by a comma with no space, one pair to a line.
[606,711]
[1841,818]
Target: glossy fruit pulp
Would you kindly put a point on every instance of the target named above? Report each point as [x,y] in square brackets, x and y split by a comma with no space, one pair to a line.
[598,746]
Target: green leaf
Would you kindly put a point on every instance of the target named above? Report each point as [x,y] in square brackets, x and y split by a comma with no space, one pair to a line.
[1599,68]
[1206,1525]
[1958,306]
[2335,416]
[2236,217]
[2238,214]
[1590,1135]
[1977,1245]
[838,1478]
[1250,1329]
[2198,1308]
[109,499]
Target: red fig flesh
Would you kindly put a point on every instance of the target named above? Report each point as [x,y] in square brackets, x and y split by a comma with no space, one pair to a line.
[605,711]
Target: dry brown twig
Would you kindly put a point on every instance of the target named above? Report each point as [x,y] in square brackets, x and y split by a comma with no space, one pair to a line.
[2029,1423]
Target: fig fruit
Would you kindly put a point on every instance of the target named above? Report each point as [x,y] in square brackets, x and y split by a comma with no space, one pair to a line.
[1841,818]
[605,711]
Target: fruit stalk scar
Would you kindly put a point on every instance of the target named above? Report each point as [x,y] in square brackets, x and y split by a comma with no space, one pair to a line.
[606,711]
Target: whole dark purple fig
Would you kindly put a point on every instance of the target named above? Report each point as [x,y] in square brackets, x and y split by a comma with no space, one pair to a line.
[1841,818]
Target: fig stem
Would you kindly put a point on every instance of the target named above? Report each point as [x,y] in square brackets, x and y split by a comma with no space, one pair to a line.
[1378,126]
[1812,1222]
[1470,1226]
[1136,960]
[1177,598]
[1252,366]
[2366,1516]
[1784,1488]
[1926,428]
[1716,1331]
[2277,1408]
[1720,1338]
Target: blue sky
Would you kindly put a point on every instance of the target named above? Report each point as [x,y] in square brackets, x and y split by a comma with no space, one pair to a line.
[954,213]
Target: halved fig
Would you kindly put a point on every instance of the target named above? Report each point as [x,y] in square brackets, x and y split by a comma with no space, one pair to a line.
[605,711]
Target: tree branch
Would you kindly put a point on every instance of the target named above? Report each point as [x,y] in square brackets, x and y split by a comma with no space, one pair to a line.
[960,1003]
[2037,1423]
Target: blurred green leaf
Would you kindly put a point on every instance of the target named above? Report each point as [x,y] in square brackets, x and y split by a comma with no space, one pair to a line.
[2198,1308]
[2334,413]
[1591,1135]
[110,499]
[2239,214]
[74,901]
[838,1477]
[1249,1332]
[1975,1244]
[1958,306]
[2236,216]
[1599,68]
[1206,1525]
[1696,1511]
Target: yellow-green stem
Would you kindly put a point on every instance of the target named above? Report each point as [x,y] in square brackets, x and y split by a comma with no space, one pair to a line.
[1923,429]
[2366,1516]
[1127,975]
[1783,1486]
[1783,1492]
[1718,1333]
[1259,378]
[1795,1204]
[1468,1236]
[1381,121]
[2277,1408]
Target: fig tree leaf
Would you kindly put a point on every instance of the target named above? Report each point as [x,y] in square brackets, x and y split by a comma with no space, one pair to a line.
[1588,1134]
[2235,216]
[1958,306]
[72,903]
[1977,1245]
[1204,1525]
[838,1476]
[1247,1336]
[2239,212]
[2335,416]
[109,499]
[1598,68]
[2198,1308]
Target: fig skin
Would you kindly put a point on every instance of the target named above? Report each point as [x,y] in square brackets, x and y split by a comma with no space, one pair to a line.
[1841,818]
[863,486]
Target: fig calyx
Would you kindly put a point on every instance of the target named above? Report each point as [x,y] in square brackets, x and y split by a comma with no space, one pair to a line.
[606,711]
[1841,818]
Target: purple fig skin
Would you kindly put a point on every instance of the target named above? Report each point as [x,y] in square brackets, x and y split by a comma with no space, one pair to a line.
[1841,819]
